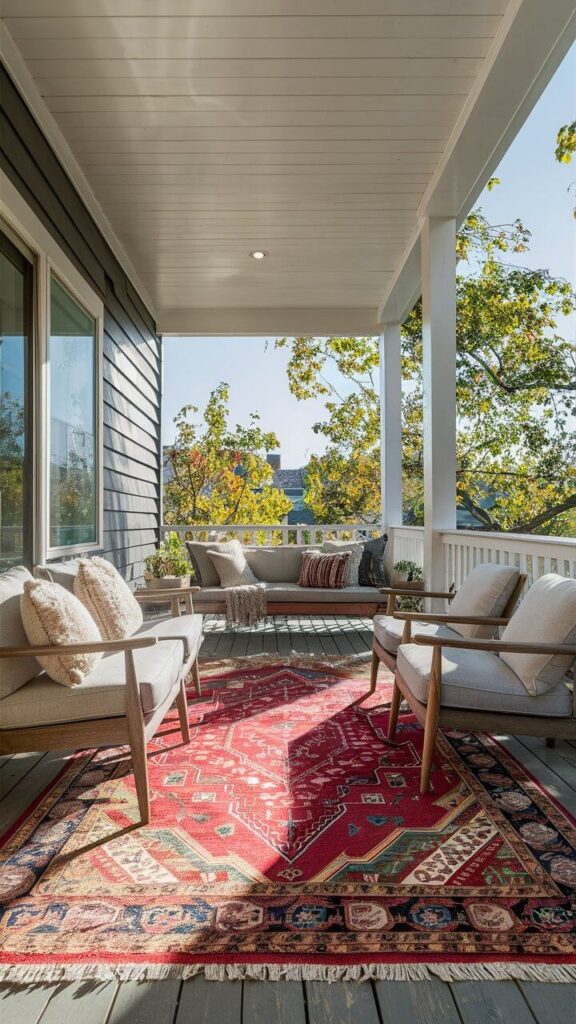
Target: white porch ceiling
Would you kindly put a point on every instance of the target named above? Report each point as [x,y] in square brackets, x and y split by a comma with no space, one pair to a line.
[312,129]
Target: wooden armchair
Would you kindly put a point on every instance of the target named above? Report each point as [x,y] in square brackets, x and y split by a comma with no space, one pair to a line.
[489,592]
[480,685]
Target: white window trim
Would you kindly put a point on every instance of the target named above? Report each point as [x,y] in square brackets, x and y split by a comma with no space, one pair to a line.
[50,258]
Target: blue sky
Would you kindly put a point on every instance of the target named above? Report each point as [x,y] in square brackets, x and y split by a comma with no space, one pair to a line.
[533,187]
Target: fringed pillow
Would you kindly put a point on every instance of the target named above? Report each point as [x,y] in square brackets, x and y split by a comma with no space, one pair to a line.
[108,598]
[324,571]
[52,615]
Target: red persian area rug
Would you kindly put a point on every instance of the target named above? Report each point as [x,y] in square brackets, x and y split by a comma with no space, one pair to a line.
[289,839]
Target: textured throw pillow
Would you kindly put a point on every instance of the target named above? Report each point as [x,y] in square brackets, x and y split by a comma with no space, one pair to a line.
[231,565]
[108,598]
[546,615]
[326,571]
[14,672]
[355,549]
[52,615]
[371,572]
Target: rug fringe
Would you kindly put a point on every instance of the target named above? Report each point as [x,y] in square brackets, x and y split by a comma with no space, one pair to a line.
[43,974]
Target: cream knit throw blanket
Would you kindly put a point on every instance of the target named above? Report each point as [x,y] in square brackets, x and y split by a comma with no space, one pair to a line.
[246,604]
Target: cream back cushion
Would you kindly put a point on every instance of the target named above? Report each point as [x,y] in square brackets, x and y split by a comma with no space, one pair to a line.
[52,615]
[108,598]
[546,615]
[14,672]
[485,591]
[231,565]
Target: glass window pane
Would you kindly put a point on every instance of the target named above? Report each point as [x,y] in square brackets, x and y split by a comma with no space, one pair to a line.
[15,483]
[73,467]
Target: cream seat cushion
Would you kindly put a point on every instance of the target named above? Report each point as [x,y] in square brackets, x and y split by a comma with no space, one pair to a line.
[478,680]
[231,565]
[547,615]
[108,598]
[14,672]
[485,591]
[388,631]
[52,615]
[292,593]
[101,695]
[188,627]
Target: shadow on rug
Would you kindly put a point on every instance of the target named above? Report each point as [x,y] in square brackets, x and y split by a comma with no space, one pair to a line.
[289,839]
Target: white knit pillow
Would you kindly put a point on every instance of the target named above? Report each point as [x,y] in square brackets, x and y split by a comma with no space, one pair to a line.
[108,598]
[52,615]
[231,566]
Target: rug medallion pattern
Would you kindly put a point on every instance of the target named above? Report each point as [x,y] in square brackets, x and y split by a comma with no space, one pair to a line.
[289,830]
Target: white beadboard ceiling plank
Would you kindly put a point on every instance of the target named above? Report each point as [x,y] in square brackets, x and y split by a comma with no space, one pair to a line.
[163,25]
[309,70]
[222,87]
[253,49]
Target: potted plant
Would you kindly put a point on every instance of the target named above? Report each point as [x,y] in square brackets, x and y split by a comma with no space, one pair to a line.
[409,573]
[409,576]
[168,566]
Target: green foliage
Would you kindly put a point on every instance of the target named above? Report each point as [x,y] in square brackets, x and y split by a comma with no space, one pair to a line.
[516,398]
[169,559]
[219,474]
[411,570]
[566,143]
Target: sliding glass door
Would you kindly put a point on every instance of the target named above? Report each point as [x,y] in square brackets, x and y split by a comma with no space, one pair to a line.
[16,324]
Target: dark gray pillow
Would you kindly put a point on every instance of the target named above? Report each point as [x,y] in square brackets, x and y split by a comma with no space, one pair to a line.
[371,572]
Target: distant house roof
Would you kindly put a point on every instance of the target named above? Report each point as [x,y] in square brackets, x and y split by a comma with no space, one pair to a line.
[289,478]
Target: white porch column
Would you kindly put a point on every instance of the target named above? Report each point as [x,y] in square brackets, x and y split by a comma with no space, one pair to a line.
[391,425]
[439,377]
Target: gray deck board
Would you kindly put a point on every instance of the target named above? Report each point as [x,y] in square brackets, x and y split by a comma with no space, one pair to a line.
[550,1004]
[491,1002]
[199,1002]
[210,1002]
[148,1002]
[273,1002]
[342,1003]
[416,1002]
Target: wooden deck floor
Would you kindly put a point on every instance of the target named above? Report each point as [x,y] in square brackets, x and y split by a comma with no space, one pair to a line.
[200,1002]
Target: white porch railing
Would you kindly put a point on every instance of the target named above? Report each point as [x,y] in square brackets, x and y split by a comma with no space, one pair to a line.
[248,533]
[465,549]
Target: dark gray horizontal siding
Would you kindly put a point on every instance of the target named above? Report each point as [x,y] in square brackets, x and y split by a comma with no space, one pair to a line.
[132,362]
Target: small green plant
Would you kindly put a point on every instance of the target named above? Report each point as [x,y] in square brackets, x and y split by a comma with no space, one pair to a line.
[411,570]
[169,559]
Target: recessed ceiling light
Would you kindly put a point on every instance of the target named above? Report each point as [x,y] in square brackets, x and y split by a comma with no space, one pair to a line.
[258,254]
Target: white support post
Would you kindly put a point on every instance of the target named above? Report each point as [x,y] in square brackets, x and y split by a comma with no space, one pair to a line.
[391,425]
[439,378]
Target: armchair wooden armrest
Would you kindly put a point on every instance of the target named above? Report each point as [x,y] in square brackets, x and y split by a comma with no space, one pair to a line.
[414,592]
[152,596]
[94,647]
[479,620]
[513,647]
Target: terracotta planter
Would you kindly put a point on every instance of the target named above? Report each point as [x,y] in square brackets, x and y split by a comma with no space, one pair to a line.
[168,582]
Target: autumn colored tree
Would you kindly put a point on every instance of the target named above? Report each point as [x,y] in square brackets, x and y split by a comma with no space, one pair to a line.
[218,474]
[516,398]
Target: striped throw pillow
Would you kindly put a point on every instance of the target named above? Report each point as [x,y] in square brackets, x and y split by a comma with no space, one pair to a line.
[327,571]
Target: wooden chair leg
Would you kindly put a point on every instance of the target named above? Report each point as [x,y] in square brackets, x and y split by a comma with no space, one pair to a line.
[140,766]
[394,709]
[137,737]
[182,705]
[196,677]
[374,670]
[432,717]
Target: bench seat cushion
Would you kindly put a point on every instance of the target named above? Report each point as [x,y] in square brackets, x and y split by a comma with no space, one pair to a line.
[189,627]
[388,631]
[479,681]
[292,593]
[101,695]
